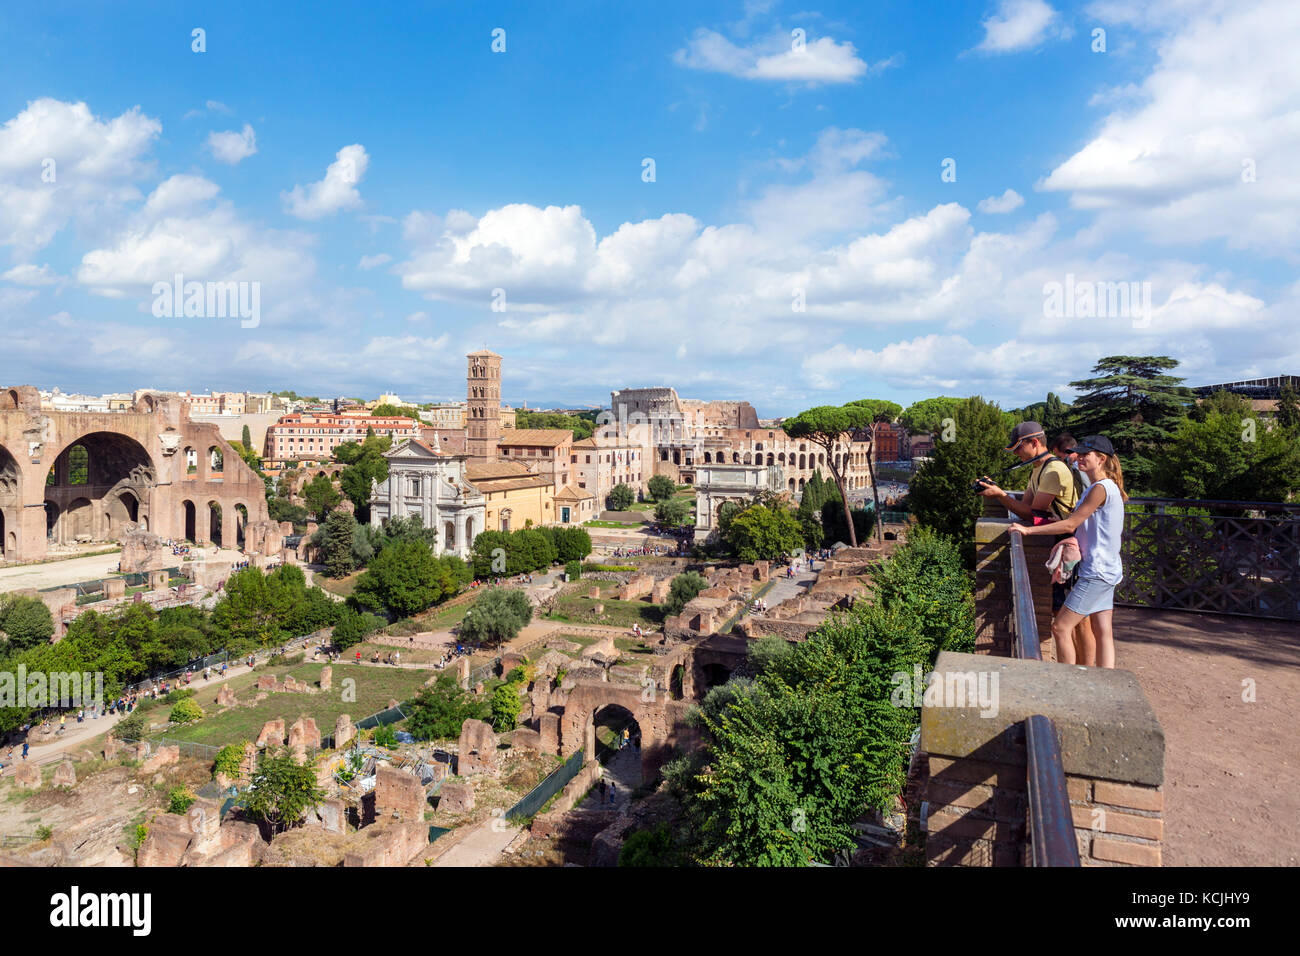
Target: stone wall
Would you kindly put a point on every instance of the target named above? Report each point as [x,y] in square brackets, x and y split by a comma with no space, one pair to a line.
[1112,752]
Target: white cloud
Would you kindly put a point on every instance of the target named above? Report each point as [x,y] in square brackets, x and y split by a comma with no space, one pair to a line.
[338,190]
[28,274]
[231,147]
[1208,152]
[59,162]
[1020,25]
[179,193]
[370,262]
[1008,201]
[820,61]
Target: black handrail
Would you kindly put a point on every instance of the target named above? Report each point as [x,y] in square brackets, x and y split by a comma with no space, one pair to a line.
[1023,621]
[1051,824]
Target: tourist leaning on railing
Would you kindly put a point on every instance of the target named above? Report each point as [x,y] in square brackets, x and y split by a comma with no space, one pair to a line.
[1098,524]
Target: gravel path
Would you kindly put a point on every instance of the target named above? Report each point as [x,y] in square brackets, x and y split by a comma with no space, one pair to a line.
[1232,768]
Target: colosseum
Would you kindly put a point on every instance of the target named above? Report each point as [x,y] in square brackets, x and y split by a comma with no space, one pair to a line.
[71,478]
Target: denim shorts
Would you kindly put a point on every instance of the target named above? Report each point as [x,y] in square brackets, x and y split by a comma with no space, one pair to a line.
[1090,595]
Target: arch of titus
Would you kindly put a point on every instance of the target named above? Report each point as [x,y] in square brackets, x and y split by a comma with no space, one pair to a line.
[75,477]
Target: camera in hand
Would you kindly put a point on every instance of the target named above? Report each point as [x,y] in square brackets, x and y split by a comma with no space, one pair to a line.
[979,484]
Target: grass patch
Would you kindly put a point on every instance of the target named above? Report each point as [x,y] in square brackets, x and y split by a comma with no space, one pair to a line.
[632,646]
[435,619]
[343,587]
[582,610]
[597,523]
[375,686]
[412,655]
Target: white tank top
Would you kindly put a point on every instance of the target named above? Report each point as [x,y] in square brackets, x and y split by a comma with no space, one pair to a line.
[1099,537]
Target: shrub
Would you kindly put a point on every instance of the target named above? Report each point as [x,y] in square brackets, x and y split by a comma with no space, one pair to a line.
[130,727]
[385,736]
[683,590]
[186,711]
[621,497]
[228,760]
[661,487]
[355,626]
[43,833]
[574,570]
[437,712]
[179,800]
[506,707]
[177,695]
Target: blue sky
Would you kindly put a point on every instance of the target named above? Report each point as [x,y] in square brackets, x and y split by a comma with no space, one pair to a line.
[380,171]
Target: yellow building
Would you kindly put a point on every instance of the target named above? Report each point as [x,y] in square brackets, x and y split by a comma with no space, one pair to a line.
[513,496]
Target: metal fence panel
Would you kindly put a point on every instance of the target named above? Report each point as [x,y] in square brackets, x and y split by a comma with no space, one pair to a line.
[537,798]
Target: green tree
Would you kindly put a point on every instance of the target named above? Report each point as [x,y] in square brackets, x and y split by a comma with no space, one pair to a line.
[828,427]
[185,712]
[320,496]
[365,463]
[437,712]
[621,497]
[338,542]
[661,487]
[1225,452]
[388,410]
[497,616]
[250,609]
[762,533]
[405,578]
[940,492]
[880,409]
[506,707]
[673,512]
[580,426]
[1288,408]
[1133,402]
[684,589]
[25,621]
[353,627]
[282,792]
[246,437]
[926,417]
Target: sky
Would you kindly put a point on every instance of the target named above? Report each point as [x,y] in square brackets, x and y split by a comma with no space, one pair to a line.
[776,202]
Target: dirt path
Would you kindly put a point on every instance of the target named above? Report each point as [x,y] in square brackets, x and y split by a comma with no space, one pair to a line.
[482,846]
[1232,767]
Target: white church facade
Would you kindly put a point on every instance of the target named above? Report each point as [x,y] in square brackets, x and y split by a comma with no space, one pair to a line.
[423,481]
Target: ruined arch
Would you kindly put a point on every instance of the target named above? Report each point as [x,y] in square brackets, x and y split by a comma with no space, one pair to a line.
[189,520]
[241,524]
[215,523]
[112,473]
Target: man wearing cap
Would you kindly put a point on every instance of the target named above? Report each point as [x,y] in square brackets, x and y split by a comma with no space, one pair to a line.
[1050,494]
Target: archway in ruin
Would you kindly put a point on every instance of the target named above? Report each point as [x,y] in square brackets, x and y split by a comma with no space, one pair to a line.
[622,761]
[97,487]
[190,520]
[214,523]
[241,522]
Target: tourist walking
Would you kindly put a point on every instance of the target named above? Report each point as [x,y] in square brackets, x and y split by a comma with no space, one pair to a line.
[1098,524]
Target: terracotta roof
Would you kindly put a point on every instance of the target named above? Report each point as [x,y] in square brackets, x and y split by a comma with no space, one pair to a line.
[540,437]
[584,443]
[483,352]
[492,485]
[570,493]
[486,471]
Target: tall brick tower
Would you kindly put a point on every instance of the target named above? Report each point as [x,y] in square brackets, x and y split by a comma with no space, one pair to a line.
[483,406]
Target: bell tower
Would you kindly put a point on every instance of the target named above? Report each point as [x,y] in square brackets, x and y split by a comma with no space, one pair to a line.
[483,406]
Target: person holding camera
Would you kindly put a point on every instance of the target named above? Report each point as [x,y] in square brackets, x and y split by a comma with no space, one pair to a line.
[1098,524]
[1050,495]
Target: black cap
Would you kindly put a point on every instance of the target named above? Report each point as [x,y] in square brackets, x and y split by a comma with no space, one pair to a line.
[1095,443]
[1025,430]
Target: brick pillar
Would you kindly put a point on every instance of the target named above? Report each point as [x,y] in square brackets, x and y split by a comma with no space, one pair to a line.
[994,607]
[1112,752]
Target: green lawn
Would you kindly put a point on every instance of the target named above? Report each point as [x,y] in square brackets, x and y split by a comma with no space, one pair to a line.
[597,523]
[581,610]
[436,619]
[343,587]
[374,687]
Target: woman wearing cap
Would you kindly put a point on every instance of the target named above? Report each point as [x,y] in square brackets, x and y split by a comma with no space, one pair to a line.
[1098,523]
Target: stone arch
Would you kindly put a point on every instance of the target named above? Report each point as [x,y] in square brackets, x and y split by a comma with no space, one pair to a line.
[189,521]
[708,458]
[12,399]
[748,459]
[803,462]
[735,458]
[216,460]
[448,535]
[792,485]
[780,459]
[801,483]
[770,459]
[469,531]
[215,522]
[241,524]
[112,471]
[191,460]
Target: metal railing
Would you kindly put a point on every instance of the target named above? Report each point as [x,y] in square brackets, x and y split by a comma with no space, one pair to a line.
[1051,825]
[1024,625]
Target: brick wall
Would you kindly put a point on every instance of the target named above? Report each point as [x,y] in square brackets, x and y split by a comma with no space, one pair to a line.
[1112,751]
[993,598]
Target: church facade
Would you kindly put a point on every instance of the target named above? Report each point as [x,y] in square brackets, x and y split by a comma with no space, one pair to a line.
[424,481]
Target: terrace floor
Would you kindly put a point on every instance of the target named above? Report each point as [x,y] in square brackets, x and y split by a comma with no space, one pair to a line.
[1232,768]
